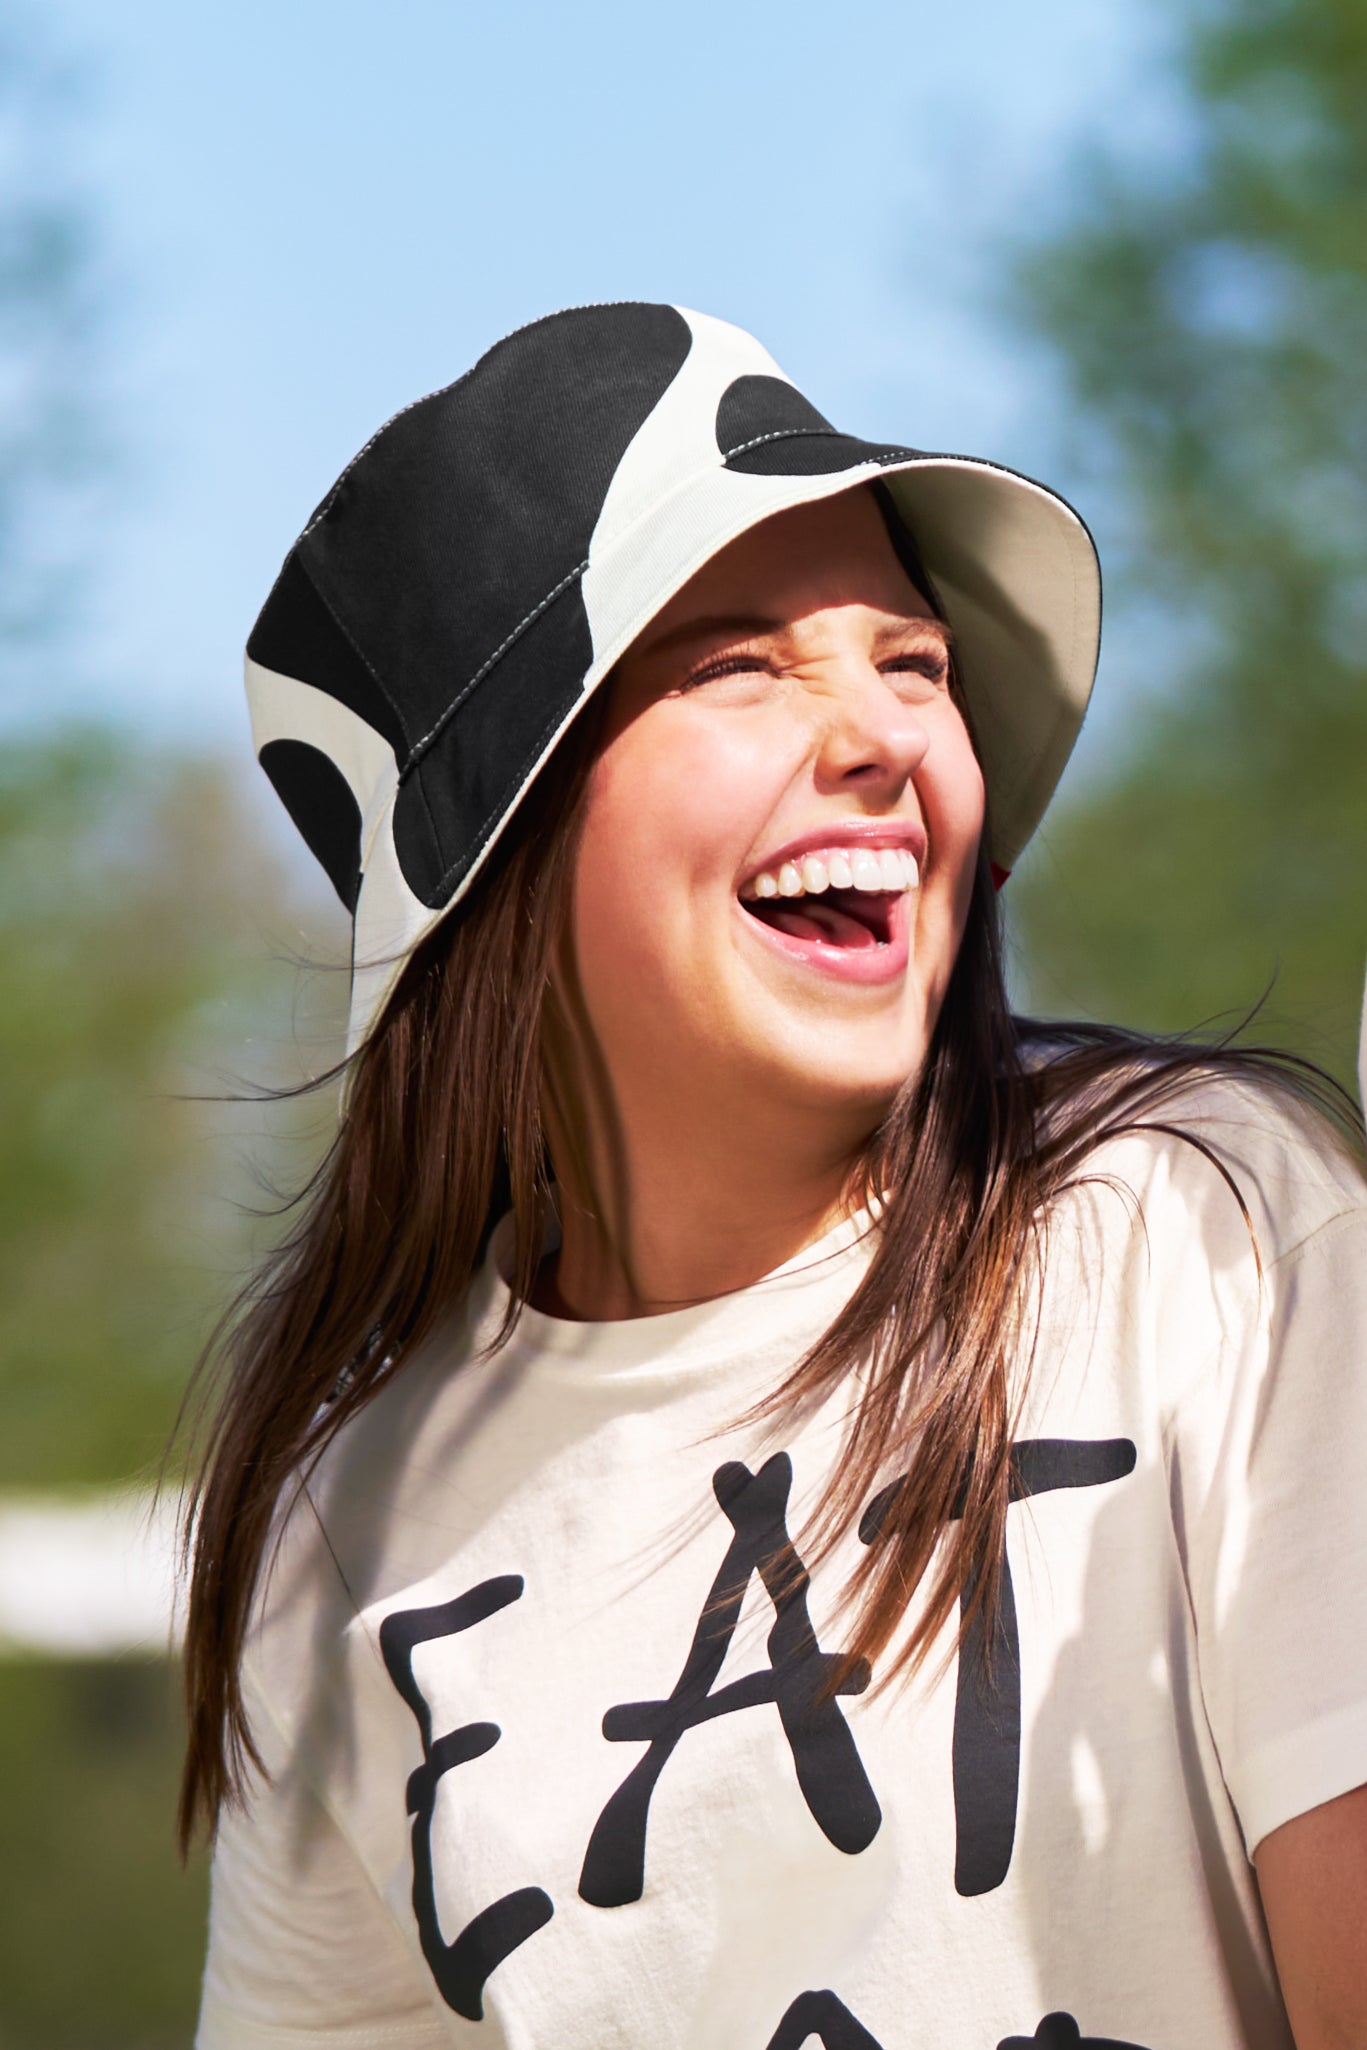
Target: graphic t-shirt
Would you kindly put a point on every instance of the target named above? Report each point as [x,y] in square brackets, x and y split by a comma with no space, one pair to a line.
[537,1672]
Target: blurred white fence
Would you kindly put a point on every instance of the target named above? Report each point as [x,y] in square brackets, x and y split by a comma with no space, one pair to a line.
[87,1576]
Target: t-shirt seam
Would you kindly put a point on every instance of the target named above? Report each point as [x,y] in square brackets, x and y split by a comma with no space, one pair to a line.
[1328,1227]
[1257,1318]
[1299,1737]
[1260,1323]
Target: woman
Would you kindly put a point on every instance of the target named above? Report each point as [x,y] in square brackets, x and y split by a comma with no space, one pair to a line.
[869,1546]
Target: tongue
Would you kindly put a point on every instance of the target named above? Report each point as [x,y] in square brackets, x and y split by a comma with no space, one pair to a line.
[815,919]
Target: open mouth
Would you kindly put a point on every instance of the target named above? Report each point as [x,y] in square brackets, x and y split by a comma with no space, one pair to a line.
[841,918]
[842,898]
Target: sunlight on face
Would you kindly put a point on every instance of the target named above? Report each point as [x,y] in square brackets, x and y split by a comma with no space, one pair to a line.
[781,830]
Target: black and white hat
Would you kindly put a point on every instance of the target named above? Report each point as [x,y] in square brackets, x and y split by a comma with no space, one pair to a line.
[479,567]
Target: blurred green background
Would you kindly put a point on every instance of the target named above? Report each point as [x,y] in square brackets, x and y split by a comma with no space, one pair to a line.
[1177,338]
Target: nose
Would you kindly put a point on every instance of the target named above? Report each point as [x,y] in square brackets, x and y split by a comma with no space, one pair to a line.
[871,739]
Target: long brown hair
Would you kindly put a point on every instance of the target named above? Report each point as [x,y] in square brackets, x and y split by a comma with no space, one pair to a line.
[443,1131]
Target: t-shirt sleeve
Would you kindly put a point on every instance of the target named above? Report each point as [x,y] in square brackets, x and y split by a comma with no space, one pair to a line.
[1270,1496]
[303,1952]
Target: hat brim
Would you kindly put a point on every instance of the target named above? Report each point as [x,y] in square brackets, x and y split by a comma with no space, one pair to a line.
[1014,567]
[1016,572]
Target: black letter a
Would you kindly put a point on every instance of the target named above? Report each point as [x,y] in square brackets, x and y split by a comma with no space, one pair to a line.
[830,1772]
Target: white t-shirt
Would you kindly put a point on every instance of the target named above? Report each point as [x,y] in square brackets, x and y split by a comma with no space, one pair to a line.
[550,1773]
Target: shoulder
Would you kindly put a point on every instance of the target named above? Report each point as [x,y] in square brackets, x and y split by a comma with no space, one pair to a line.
[1233,1158]
[367,1517]
[1206,1260]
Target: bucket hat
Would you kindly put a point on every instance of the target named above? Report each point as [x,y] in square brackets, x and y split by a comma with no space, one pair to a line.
[483,562]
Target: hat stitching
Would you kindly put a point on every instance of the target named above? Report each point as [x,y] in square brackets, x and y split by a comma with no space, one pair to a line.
[326,507]
[502,809]
[895,454]
[440,391]
[420,747]
[881,455]
[776,434]
[349,637]
[560,719]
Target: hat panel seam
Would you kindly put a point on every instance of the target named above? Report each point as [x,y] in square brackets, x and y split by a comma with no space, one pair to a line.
[897,453]
[776,434]
[349,637]
[440,391]
[422,746]
[421,788]
[327,504]
[503,807]
[883,455]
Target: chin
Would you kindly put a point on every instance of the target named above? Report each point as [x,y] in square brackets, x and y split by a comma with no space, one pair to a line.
[867,1089]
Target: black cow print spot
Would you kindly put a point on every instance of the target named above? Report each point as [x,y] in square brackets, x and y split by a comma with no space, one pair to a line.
[754,408]
[319,799]
[461,529]
[296,635]
[766,428]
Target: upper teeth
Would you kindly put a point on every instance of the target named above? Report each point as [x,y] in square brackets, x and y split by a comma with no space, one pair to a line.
[838,868]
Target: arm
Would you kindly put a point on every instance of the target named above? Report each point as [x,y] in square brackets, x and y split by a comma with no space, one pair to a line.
[1270,1449]
[302,1948]
[1312,1873]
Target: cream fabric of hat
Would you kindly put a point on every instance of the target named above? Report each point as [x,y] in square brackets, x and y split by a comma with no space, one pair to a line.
[479,567]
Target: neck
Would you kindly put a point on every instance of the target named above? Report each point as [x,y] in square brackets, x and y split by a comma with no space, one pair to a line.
[676,1213]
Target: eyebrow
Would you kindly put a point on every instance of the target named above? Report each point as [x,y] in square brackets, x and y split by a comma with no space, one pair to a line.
[753,625]
[712,625]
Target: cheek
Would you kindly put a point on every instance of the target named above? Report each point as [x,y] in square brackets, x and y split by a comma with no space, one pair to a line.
[953,799]
[667,820]
[954,796]
[968,805]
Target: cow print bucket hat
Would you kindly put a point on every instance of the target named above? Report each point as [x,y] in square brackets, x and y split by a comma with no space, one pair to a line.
[476,571]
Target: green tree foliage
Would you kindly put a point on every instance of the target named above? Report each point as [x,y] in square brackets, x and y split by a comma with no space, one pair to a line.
[135,895]
[140,906]
[1211,317]
[102,1938]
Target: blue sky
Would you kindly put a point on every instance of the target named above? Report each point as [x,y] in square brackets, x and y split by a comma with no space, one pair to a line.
[314,213]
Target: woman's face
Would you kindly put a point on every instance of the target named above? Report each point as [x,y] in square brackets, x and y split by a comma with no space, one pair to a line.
[780,832]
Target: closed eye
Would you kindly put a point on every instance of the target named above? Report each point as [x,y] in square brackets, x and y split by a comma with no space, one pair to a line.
[725,665]
[932,663]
